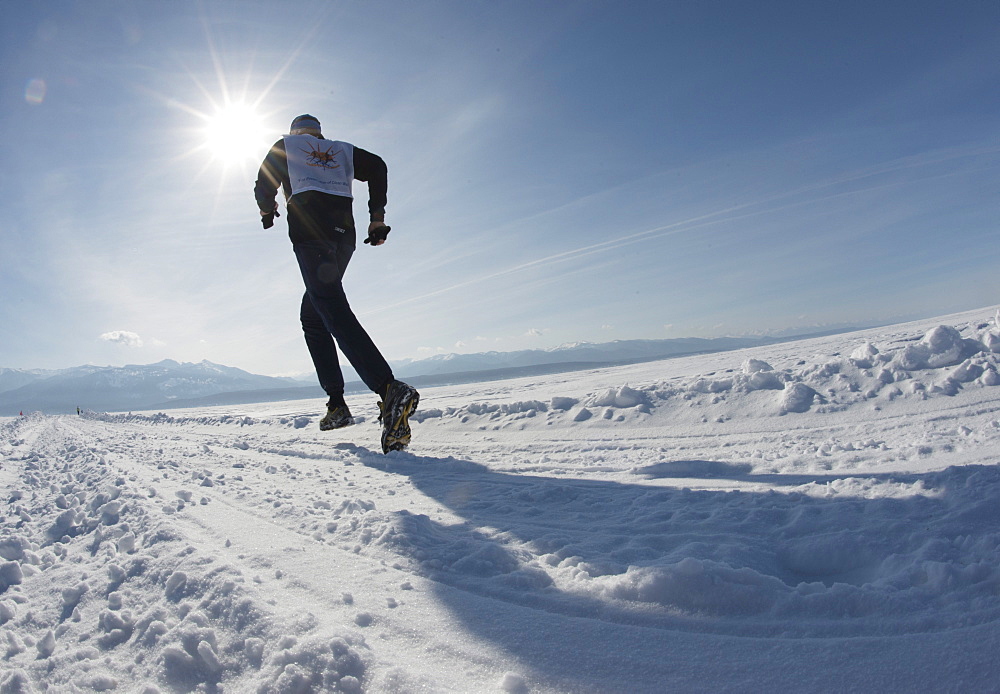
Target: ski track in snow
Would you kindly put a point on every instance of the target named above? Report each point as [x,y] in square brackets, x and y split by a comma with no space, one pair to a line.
[822,515]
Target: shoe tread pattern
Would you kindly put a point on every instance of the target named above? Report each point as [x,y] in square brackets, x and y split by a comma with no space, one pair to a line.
[396,421]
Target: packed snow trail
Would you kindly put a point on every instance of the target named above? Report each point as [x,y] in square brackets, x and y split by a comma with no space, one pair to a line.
[704,523]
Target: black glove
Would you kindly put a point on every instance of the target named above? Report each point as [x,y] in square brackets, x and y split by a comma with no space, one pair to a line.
[377,234]
[267,220]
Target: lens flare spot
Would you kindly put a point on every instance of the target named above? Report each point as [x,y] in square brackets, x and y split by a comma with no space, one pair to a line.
[34,92]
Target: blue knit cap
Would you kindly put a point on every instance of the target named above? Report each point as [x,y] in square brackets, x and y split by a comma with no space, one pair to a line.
[304,122]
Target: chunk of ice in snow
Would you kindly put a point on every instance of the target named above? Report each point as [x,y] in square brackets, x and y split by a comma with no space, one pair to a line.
[798,397]
[864,356]
[46,645]
[513,682]
[752,366]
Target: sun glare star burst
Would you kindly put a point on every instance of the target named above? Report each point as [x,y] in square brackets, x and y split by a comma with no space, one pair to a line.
[233,134]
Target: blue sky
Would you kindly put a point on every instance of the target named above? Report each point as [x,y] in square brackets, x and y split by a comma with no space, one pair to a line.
[559,171]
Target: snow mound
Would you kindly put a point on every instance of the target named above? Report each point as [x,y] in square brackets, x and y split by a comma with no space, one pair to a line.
[864,356]
[621,397]
[942,346]
[798,397]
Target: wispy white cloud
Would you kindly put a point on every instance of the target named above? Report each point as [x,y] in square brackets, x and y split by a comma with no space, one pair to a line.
[123,337]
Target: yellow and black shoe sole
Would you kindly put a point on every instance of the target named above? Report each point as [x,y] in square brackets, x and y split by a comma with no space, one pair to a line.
[396,430]
[327,426]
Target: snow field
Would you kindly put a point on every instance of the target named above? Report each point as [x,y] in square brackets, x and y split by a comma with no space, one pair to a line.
[116,571]
[820,515]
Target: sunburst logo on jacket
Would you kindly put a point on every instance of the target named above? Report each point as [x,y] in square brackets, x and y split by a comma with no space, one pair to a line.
[323,158]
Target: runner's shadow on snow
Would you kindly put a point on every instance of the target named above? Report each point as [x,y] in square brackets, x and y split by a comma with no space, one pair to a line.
[743,472]
[587,557]
[694,468]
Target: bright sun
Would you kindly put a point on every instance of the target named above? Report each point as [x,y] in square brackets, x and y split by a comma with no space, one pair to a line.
[234,134]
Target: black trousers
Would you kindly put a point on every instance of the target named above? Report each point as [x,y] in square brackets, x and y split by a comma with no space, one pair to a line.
[325,313]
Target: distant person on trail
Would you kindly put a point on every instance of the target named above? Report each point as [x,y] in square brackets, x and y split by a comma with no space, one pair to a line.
[316,175]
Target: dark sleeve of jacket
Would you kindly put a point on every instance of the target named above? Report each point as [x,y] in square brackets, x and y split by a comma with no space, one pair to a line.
[272,174]
[370,168]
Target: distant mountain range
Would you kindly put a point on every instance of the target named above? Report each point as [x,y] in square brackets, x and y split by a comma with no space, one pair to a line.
[587,353]
[171,384]
[119,388]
